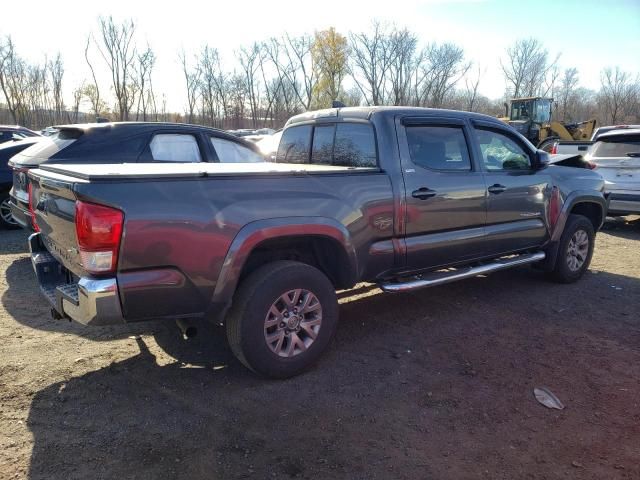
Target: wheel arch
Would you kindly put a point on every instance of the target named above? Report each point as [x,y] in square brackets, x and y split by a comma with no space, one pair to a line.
[308,236]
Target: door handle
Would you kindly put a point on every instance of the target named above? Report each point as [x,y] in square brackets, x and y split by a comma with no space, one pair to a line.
[496,188]
[423,193]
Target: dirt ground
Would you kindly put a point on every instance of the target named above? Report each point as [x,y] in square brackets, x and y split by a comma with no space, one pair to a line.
[430,385]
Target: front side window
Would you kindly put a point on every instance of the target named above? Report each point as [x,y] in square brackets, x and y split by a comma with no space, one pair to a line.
[233,152]
[438,147]
[499,152]
[175,147]
[295,145]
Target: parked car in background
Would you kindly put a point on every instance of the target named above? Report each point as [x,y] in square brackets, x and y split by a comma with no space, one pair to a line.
[8,150]
[403,197]
[9,133]
[124,142]
[616,157]
[568,147]
[268,144]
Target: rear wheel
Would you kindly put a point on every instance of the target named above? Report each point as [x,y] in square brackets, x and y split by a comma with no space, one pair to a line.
[575,249]
[6,218]
[283,317]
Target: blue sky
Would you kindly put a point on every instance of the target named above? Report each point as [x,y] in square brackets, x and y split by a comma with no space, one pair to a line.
[589,35]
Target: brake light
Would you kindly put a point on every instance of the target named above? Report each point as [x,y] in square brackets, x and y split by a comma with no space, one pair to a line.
[554,148]
[98,229]
[555,204]
[34,224]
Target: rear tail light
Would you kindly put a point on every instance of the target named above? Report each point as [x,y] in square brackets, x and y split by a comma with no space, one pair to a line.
[590,165]
[98,229]
[554,148]
[555,205]
[34,224]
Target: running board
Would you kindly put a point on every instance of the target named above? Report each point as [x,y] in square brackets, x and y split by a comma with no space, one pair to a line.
[440,278]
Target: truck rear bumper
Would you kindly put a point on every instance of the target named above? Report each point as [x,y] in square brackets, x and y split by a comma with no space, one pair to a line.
[89,301]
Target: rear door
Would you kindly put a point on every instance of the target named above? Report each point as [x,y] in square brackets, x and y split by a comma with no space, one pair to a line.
[517,193]
[445,192]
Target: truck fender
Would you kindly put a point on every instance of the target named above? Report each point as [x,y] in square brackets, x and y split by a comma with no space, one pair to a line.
[573,199]
[254,233]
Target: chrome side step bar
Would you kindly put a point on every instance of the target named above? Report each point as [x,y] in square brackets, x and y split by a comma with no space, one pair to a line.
[440,278]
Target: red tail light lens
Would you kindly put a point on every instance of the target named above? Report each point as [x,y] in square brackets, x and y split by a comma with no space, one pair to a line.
[34,224]
[554,149]
[98,229]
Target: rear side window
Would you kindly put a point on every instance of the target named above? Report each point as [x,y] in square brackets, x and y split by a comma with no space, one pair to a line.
[295,145]
[355,145]
[175,147]
[438,147]
[322,152]
[627,146]
[233,152]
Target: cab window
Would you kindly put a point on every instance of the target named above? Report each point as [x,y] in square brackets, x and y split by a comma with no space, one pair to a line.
[499,152]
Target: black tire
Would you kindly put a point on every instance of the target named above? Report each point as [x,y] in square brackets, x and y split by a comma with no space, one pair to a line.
[247,319]
[547,144]
[564,271]
[6,220]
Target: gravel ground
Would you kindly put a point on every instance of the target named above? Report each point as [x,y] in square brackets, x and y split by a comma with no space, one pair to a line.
[435,384]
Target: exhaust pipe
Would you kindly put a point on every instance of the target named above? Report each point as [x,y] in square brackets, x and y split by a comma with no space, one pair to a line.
[188,330]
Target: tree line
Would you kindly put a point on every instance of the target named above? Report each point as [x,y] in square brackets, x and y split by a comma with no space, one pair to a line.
[273,79]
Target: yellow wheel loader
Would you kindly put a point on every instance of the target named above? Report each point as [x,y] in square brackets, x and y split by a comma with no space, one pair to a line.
[532,117]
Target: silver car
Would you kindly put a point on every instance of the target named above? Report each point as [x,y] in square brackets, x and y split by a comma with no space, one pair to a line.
[616,156]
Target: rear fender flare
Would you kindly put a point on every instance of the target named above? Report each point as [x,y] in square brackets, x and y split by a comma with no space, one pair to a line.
[254,233]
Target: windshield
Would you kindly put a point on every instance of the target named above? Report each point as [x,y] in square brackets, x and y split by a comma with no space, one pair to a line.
[542,111]
[627,146]
[521,110]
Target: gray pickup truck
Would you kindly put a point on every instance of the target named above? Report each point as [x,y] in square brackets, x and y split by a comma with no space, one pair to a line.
[405,198]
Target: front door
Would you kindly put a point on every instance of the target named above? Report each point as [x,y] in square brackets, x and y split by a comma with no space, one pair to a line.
[445,193]
[517,193]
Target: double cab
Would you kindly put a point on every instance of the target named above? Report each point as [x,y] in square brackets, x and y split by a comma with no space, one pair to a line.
[405,198]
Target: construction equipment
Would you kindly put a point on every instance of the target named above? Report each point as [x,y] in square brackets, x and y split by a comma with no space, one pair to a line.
[532,117]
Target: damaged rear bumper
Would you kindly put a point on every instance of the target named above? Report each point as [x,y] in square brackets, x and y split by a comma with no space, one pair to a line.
[90,301]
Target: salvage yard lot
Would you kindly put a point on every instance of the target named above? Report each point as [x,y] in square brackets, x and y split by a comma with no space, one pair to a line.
[432,384]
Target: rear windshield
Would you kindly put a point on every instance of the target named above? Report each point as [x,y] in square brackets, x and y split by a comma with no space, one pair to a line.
[627,146]
[47,147]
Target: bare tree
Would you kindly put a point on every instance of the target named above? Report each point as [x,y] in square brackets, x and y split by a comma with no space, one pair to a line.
[526,67]
[12,80]
[119,53]
[470,94]
[404,63]
[372,56]
[618,94]
[93,94]
[568,86]
[144,66]
[249,59]
[192,80]
[56,69]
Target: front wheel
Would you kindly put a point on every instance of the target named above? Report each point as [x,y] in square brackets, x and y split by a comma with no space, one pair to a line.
[575,249]
[283,317]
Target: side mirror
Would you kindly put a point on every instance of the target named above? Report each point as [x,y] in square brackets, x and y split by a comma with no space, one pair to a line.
[542,160]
